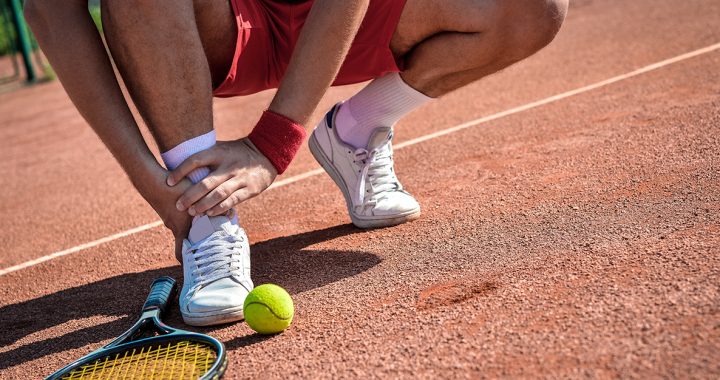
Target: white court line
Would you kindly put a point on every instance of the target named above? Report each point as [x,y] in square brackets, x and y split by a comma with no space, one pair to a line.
[414,141]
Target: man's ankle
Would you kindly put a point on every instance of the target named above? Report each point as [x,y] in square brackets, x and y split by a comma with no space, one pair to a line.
[381,103]
[177,155]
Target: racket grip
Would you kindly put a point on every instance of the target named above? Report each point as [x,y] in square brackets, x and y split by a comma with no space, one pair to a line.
[161,290]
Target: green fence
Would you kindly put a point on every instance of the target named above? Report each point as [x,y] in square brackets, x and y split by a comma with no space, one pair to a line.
[19,55]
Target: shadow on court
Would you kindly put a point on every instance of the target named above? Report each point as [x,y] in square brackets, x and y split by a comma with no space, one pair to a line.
[283,261]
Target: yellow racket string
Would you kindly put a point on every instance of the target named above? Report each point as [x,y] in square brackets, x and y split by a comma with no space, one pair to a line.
[175,360]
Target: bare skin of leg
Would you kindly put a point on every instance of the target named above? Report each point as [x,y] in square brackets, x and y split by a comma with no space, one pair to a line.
[448,44]
[168,75]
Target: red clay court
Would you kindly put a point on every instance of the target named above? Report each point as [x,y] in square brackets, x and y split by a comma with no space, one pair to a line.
[570,228]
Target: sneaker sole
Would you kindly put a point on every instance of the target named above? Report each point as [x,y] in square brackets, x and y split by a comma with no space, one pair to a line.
[214,318]
[360,222]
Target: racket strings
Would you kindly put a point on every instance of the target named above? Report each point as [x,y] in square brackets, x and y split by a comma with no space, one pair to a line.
[175,360]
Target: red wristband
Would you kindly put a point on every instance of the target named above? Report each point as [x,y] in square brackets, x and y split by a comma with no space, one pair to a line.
[278,138]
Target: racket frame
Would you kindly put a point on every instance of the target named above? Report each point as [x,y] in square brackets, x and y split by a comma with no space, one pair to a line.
[161,292]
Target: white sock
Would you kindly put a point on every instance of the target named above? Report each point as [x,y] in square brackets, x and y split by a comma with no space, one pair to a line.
[380,104]
[175,156]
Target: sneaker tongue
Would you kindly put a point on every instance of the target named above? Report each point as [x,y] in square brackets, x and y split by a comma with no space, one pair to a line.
[204,226]
[379,137]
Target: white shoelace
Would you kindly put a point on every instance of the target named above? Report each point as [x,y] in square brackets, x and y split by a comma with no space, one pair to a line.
[377,171]
[216,257]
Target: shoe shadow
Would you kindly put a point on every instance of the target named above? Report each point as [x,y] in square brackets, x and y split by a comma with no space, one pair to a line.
[284,261]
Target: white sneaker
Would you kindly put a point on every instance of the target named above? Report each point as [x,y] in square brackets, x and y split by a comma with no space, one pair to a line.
[216,266]
[366,177]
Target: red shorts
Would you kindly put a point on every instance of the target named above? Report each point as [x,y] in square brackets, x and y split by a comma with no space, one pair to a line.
[269,29]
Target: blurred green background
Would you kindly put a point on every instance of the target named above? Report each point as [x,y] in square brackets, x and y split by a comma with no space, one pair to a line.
[11,46]
[7,32]
[94,7]
[8,35]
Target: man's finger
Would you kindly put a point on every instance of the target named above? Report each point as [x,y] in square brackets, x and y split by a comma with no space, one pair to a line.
[197,160]
[235,199]
[217,195]
[197,191]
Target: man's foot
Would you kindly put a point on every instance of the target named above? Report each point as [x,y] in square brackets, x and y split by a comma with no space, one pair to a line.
[366,177]
[216,266]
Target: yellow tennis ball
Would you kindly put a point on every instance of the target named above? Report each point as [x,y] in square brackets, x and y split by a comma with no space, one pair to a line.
[268,309]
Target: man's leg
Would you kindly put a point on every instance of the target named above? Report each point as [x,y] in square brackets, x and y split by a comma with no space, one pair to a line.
[158,48]
[446,44]
[170,53]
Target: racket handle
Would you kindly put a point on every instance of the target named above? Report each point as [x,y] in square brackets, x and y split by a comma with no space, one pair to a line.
[161,290]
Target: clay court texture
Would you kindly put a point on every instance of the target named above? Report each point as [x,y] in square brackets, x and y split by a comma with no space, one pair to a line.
[570,227]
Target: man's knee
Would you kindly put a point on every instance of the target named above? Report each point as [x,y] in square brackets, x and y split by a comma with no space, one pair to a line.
[550,17]
[532,24]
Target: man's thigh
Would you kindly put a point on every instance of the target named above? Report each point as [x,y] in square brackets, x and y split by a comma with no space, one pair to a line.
[421,19]
[218,31]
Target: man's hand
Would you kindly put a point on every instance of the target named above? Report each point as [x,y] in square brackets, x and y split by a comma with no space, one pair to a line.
[153,187]
[238,172]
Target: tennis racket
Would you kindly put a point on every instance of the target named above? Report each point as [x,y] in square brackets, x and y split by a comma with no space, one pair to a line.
[152,349]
